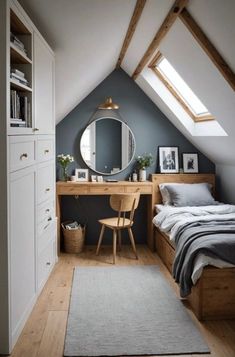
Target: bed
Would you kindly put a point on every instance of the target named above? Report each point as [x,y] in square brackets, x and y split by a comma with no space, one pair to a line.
[213,296]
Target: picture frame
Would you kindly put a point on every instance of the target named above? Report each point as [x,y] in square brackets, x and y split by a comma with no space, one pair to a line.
[168,159]
[81,174]
[190,162]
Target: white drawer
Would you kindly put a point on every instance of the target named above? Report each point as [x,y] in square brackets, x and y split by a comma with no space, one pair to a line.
[44,225]
[22,152]
[46,261]
[45,211]
[45,182]
[47,234]
[45,149]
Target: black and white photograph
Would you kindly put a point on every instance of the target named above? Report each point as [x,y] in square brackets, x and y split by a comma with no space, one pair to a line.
[81,174]
[168,159]
[190,162]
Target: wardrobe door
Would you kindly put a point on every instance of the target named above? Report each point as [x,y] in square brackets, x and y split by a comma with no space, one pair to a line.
[22,247]
[44,87]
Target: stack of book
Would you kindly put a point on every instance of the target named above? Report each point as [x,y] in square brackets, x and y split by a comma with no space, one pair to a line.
[18,76]
[20,110]
[15,40]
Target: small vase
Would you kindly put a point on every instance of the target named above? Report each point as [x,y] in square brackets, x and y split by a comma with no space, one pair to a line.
[65,175]
[142,175]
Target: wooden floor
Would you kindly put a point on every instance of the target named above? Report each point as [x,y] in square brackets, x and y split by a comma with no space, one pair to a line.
[43,335]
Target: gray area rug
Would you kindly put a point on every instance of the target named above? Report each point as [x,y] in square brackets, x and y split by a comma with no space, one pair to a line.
[131,310]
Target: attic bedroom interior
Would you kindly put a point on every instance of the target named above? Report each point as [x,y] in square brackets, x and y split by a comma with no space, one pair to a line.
[117,210]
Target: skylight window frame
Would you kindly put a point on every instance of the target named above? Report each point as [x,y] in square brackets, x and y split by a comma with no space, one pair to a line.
[196,118]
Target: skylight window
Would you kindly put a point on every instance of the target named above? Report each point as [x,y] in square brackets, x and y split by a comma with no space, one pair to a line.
[180,89]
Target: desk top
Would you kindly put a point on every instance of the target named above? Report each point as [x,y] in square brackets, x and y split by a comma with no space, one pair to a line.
[103,188]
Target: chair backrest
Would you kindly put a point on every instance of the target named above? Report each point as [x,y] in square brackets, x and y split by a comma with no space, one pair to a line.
[122,203]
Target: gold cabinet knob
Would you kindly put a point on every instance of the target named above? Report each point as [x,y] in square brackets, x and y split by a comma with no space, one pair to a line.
[23,156]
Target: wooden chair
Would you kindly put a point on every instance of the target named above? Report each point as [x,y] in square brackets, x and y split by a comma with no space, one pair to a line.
[121,203]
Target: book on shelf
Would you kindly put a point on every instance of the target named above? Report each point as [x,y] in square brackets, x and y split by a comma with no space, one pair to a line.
[16,42]
[20,109]
[18,125]
[17,72]
[19,79]
[16,120]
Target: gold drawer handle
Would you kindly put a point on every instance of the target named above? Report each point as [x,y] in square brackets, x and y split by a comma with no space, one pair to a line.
[47,189]
[46,151]
[35,129]
[24,155]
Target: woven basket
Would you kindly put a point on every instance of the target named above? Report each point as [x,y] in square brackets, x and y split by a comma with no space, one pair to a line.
[73,239]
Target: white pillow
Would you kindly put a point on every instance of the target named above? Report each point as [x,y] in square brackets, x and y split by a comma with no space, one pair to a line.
[166,198]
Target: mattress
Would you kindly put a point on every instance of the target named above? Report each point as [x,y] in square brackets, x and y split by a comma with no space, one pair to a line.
[169,219]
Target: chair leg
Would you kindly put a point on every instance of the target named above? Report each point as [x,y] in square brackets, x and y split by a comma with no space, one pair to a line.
[114,245]
[132,241]
[100,239]
[119,239]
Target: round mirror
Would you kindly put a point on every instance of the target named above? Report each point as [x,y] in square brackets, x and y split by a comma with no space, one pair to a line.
[107,146]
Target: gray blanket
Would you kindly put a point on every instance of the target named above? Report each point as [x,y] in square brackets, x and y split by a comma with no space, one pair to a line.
[215,239]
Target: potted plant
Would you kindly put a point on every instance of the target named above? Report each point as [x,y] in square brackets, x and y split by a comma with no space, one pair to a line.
[143,162]
[64,161]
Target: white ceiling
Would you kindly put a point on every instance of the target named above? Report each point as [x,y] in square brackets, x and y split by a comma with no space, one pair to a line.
[87,36]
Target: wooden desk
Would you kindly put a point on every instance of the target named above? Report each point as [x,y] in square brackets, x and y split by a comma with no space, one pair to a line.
[105,188]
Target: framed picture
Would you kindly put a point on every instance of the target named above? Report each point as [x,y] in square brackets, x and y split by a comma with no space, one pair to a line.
[81,174]
[168,159]
[190,162]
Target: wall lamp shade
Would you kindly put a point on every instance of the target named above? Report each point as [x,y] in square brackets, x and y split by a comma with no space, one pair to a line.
[108,104]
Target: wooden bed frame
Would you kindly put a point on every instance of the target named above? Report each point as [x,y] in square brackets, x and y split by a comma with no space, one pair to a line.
[213,297]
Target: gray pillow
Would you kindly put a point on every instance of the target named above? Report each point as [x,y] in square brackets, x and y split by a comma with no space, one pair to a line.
[196,194]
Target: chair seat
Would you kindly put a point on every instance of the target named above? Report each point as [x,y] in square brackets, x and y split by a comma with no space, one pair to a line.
[113,222]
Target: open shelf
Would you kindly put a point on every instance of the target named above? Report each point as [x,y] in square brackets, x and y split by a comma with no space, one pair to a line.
[18,86]
[17,25]
[17,56]
[21,95]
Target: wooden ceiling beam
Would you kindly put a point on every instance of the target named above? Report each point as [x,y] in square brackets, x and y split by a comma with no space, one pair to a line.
[208,47]
[163,30]
[131,29]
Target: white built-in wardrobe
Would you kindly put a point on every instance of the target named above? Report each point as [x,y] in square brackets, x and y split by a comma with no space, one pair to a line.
[27,169]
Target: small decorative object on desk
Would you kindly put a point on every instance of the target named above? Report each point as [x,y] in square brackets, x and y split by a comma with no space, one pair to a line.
[144,161]
[81,174]
[64,161]
[134,177]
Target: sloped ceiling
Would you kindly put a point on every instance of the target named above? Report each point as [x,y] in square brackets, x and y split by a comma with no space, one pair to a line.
[87,36]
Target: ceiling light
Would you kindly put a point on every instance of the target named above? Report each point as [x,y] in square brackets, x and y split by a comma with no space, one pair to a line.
[108,104]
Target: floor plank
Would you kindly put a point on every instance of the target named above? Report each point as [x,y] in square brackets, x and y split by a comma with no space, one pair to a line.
[44,332]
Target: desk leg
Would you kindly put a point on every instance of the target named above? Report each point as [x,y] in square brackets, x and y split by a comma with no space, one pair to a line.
[58,214]
[150,230]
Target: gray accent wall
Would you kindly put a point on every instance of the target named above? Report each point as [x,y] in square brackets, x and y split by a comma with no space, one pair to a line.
[151,129]
[226,183]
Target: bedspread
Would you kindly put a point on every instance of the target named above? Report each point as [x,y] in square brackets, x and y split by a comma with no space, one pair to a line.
[207,232]
[215,239]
